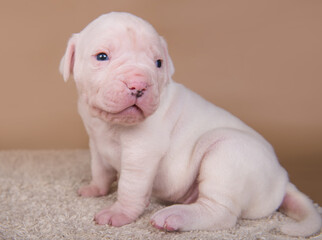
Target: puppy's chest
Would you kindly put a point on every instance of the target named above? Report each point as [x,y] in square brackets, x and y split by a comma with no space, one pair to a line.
[109,150]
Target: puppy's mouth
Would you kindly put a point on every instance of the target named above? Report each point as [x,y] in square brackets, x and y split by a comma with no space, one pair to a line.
[134,109]
[133,112]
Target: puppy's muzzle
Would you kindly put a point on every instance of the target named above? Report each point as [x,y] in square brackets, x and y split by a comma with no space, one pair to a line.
[137,85]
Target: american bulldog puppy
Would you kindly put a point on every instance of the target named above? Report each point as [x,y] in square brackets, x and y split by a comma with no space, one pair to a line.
[159,138]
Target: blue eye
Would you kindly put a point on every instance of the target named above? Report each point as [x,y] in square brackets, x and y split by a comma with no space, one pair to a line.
[158,63]
[102,57]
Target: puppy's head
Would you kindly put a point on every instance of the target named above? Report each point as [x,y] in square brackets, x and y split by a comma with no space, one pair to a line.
[120,65]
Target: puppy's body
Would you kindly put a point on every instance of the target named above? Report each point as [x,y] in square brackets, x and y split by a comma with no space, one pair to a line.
[179,134]
[164,140]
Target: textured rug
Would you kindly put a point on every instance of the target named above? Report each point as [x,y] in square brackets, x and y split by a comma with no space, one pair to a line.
[38,200]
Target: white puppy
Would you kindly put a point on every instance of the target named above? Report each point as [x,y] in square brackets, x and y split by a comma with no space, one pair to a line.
[161,139]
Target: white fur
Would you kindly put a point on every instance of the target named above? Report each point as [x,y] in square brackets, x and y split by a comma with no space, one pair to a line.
[178,147]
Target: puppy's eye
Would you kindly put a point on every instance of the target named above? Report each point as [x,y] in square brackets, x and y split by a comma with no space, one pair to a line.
[102,57]
[158,63]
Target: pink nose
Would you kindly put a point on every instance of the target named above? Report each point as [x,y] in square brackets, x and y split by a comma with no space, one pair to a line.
[137,86]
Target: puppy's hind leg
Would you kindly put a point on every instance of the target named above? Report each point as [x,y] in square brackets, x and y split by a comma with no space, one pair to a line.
[201,215]
[213,209]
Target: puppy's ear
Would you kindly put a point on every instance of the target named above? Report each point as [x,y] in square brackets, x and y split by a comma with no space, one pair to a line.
[168,61]
[67,62]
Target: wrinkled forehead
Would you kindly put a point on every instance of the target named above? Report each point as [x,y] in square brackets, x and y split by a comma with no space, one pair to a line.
[118,30]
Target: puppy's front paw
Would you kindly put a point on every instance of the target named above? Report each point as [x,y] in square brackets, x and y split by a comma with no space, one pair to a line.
[91,190]
[112,216]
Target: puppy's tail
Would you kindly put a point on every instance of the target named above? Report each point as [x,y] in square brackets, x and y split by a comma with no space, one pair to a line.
[299,207]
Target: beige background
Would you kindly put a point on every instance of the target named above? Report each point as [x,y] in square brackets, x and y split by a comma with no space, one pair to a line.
[261,60]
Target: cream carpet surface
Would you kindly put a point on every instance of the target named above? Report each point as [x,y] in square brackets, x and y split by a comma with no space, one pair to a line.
[38,200]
